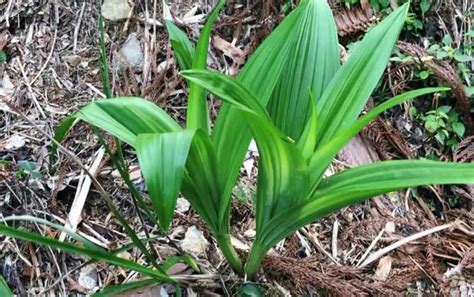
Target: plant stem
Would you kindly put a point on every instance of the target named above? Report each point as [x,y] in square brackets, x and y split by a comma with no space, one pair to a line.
[254,261]
[223,240]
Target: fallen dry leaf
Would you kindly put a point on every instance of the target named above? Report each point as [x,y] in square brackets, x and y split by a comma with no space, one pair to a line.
[236,54]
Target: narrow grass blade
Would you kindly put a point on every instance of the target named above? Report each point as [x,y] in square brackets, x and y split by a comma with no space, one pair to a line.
[197,112]
[94,254]
[69,232]
[168,263]
[111,291]
[59,135]
[104,69]
[162,159]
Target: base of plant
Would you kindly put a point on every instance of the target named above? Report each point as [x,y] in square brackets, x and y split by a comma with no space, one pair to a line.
[254,261]
[229,253]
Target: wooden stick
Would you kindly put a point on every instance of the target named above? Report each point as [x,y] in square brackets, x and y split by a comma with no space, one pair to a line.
[81,194]
[405,240]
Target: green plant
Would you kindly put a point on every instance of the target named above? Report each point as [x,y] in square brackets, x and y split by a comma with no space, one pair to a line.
[446,51]
[4,289]
[413,23]
[301,107]
[287,6]
[27,169]
[3,57]
[379,5]
[444,123]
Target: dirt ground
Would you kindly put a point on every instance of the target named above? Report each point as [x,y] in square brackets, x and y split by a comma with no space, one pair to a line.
[53,67]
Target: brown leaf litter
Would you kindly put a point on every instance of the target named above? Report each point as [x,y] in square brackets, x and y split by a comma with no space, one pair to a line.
[48,62]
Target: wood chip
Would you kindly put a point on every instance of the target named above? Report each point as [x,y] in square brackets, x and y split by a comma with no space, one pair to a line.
[383,268]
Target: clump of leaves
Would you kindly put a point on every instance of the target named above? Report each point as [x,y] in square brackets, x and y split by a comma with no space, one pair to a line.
[444,124]
[445,50]
[301,107]
[27,169]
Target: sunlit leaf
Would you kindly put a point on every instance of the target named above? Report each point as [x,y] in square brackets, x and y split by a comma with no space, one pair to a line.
[313,62]
[182,46]
[348,92]
[197,112]
[162,158]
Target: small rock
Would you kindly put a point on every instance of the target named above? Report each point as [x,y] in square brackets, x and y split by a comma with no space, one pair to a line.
[115,9]
[250,233]
[88,278]
[390,227]
[194,242]
[131,54]
[182,205]
[6,86]
[15,142]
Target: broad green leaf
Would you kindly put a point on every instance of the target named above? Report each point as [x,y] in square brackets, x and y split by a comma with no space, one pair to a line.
[447,40]
[283,179]
[182,47]
[324,155]
[231,133]
[459,129]
[425,5]
[357,184]
[227,90]
[313,62]
[111,291]
[348,92]
[463,58]
[162,158]
[4,289]
[94,254]
[197,112]
[124,118]
[283,173]
[201,185]
[307,141]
